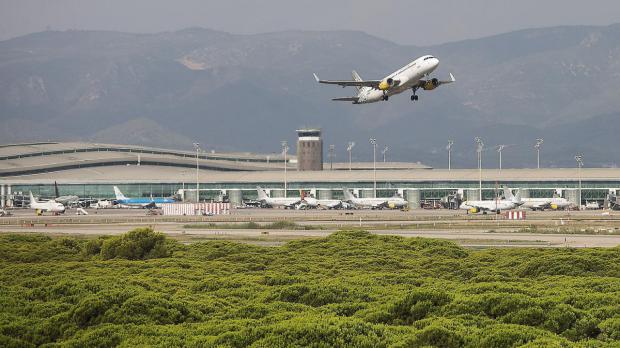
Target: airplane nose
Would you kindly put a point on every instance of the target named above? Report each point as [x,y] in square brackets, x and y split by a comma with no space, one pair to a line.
[435,63]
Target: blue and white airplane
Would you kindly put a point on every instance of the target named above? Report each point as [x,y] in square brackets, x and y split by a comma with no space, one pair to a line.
[147,203]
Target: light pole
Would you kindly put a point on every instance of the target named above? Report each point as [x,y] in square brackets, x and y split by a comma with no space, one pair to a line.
[579,159]
[384,151]
[331,154]
[373,142]
[539,142]
[197,147]
[479,147]
[449,148]
[499,150]
[285,151]
[350,150]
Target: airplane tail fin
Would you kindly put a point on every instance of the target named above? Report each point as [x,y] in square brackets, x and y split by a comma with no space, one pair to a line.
[56,189]
[348,196]
[508,194]
[262,195]
[356,77]
[517,197]
[119,195]
[32,199]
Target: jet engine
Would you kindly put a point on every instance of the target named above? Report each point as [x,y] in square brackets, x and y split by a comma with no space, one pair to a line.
[430,84]
[474,210]
[392,206]
[554,206]
[386,84]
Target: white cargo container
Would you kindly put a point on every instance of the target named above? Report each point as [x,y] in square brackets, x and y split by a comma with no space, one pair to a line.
[196,208]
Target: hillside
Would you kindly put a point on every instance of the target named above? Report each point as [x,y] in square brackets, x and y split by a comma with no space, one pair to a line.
[251,91]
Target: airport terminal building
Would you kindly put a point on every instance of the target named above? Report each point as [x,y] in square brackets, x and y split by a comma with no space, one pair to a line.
[91,170]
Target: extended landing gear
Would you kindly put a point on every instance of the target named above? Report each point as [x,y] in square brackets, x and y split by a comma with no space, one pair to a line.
[385,97]
[414,97]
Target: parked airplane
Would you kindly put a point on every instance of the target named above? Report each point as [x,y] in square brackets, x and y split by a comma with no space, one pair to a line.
[286,202]
[372,203]
[592,205]
[311,202]
[496,205]
[554,203]
[396,202]
[148,203]
[66,200]
[412,76]
[49,206]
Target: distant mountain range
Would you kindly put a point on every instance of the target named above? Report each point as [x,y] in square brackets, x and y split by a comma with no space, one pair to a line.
[248,92]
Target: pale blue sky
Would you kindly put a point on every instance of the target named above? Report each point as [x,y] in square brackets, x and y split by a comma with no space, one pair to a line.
[402,21]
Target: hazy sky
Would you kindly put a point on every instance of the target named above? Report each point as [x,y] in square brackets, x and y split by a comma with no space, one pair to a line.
[402,21]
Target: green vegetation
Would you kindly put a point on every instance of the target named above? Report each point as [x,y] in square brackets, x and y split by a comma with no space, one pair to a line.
[278,225]
[351,289]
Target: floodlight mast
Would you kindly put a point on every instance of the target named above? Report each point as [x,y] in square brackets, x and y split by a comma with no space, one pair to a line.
[197,147]
[499,150]
[384,151]
[539,142]
[331,154]
[373,142]
[449,148]
[285,149]
[479,148]
[579,159]
[350,150]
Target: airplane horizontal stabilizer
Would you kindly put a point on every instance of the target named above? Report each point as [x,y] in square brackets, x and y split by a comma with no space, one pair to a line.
[452,79]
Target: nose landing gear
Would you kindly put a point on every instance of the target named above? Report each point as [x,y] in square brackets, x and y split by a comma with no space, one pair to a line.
[385,96]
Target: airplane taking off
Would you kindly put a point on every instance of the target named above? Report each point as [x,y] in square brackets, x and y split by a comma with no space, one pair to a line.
[41,207]
[147,203]
[412,76]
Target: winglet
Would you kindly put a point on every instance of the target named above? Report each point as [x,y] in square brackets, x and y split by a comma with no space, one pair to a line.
[452,78]
[316,77]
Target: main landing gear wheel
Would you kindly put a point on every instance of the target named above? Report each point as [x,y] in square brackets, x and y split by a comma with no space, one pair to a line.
[414,97]
[385,97]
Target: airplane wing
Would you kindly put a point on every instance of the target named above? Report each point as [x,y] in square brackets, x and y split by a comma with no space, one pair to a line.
[479,207]
[347,83]
[351,99]
[436,82]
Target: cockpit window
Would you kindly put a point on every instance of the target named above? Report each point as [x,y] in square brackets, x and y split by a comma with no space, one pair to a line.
[429,57]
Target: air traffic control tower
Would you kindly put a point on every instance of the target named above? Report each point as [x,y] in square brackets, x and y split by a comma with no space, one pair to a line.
[309,149]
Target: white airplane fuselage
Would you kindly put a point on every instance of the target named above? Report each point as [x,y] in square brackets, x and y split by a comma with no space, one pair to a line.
[49,206]
[491,205]
[409,76]
[322,203]
[544,203]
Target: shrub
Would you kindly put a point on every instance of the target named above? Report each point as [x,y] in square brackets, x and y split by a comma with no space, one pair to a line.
[138,244]
[417,305]
[93,247]
[507,337]
[610,329]
[437,336]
